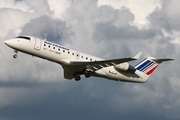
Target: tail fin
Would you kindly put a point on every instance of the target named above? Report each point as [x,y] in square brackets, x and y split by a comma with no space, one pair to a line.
[149,64]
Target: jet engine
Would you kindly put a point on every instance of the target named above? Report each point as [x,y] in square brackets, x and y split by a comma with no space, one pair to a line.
[124,67]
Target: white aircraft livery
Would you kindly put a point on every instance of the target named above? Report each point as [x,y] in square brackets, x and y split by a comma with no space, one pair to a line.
[76,63]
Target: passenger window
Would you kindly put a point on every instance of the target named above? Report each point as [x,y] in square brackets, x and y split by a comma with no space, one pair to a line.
[68,52]
[86,58]
[81,56]
[90,59]
[49,46]
[53,47]
[58,49]
[44,44]
[63,50]
[72,53]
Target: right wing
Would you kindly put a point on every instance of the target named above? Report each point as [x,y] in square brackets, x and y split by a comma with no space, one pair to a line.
[77,66]
[95,65]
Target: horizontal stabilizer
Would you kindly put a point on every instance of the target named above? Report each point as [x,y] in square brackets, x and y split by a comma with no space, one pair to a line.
[162,60]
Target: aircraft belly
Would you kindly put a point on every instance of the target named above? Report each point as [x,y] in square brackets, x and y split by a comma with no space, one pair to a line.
[111,73]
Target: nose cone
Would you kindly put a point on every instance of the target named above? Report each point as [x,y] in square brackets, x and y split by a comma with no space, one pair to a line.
[8,42]
[11,43]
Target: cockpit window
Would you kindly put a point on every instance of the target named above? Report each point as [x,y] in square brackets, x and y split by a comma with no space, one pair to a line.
[23,37]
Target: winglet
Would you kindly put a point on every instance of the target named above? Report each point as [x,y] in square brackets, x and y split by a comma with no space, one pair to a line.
[138,55]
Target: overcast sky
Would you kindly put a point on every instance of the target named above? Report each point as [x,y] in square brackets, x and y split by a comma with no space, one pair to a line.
[34,89]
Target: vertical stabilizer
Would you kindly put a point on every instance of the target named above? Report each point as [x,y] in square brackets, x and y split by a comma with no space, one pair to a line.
[149,64]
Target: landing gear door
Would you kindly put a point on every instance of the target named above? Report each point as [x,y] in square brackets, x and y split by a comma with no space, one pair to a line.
[37,45]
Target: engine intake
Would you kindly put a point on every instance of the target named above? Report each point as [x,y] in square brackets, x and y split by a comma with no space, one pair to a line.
[124,67]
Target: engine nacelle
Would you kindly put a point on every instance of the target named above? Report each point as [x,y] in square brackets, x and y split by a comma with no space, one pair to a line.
[124,67]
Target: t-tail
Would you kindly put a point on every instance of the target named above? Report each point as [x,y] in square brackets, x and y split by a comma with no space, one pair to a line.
[149,64]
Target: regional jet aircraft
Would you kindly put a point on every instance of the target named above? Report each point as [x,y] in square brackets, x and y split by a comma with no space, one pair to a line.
[76,63]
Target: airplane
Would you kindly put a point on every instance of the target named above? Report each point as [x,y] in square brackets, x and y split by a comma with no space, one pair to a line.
[76,63]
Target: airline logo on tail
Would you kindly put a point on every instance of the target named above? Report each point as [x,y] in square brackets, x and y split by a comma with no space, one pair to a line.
[147,66]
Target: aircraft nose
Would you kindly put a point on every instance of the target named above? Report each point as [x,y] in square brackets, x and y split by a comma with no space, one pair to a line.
[11,43]
[8,42]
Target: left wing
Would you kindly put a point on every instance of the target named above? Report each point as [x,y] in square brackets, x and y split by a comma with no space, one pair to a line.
[95,65]
[78,67]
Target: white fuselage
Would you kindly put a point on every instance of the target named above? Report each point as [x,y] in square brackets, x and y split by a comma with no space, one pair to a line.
[63,56]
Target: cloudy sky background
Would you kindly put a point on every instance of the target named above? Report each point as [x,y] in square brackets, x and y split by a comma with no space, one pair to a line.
[31,88]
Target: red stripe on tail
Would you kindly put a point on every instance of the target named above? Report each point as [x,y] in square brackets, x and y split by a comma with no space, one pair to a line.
[151,71]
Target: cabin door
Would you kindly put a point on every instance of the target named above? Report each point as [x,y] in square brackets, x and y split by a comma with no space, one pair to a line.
[37,45]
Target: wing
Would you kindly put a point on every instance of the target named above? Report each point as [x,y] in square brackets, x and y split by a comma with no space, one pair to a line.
[80,67]
[107,62]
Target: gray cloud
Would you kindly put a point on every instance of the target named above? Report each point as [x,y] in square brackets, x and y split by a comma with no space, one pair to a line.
[108,31]
[120,18]
[54,102]
[167,17]
[49,28]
